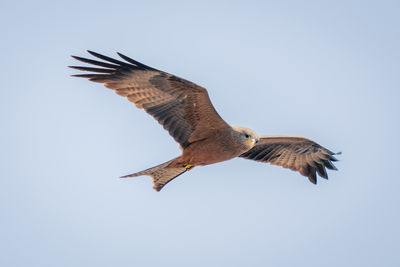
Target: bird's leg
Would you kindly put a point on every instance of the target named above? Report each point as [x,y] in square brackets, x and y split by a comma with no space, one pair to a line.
[188,167]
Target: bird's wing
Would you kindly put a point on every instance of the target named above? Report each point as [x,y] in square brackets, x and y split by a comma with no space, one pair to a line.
[295,153]
[182,107]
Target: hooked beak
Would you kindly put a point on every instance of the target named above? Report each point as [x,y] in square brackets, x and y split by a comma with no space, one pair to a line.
[252,142]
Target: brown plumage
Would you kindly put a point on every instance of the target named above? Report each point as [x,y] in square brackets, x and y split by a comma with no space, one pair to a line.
[186,112]
[295,153]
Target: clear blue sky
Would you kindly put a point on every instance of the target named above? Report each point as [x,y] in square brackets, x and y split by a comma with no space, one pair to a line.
[328,70]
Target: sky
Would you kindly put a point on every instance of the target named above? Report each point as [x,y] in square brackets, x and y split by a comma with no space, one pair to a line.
[327,70]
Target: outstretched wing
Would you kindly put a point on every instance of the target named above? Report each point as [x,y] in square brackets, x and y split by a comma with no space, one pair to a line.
[182,107]
[295,153]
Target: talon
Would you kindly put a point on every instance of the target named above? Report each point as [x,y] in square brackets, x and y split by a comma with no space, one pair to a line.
[188,167]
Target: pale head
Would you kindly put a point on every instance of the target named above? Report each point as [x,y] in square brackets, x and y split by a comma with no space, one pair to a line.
[247,137]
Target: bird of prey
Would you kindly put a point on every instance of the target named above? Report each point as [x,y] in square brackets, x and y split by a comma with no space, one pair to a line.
[185,110]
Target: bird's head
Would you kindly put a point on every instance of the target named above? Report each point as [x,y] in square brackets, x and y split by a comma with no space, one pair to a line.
[247,137]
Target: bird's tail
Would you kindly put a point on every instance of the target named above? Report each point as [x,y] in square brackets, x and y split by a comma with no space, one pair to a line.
[161,174]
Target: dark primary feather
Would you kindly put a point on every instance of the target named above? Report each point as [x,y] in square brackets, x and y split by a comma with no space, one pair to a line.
[296,153]
[182,107]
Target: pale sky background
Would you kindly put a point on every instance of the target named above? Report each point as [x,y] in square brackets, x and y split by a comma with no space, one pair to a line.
[328,70]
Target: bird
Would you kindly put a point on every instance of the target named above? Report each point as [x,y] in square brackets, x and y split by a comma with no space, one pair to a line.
[185,110]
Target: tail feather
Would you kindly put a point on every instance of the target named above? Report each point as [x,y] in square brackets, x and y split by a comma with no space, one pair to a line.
[161,174]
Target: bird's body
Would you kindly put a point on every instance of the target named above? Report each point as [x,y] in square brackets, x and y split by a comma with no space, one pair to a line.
[185,111]
[224,145]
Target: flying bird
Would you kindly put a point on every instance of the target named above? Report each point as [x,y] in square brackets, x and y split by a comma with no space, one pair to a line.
[185,110]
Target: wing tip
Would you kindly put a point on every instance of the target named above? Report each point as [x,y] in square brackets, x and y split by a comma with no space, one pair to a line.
[74,67]
[78,58]
[312,181]
[91,52]
[81,75]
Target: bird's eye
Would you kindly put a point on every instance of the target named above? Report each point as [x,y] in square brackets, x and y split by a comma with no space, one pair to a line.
[247,136]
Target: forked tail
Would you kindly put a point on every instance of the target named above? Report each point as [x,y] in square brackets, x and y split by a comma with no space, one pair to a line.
[161,174]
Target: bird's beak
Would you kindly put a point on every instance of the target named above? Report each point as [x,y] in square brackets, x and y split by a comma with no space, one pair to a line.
[251,141]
